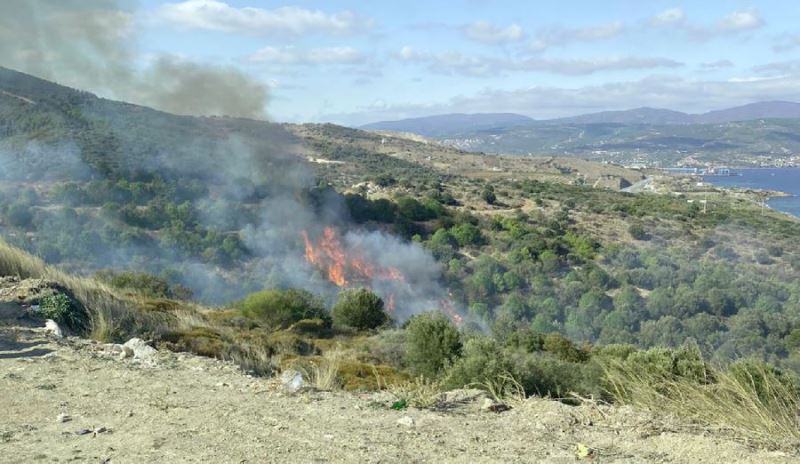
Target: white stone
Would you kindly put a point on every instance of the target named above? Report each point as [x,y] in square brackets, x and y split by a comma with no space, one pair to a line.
[51,327]
[292,381]
[406,421]
[141,350]
[125,352]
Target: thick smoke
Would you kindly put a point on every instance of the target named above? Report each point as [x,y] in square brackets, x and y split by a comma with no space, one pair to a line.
[91,45]
[259,188]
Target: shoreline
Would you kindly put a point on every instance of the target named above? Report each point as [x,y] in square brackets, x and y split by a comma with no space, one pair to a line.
[759,195]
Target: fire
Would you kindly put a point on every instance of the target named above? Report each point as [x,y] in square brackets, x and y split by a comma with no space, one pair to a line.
[343,267]
[447,308]
[348,266]
[328,256]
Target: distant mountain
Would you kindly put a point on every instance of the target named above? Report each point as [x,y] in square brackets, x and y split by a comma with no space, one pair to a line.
[760,110]
[451,125]
[649,116]
[439,125]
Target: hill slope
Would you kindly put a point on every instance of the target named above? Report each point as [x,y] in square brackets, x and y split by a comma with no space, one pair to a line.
[439,125]
[79,402]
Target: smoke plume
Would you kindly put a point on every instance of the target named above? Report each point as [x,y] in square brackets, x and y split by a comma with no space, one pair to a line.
[255,185]
[91,45]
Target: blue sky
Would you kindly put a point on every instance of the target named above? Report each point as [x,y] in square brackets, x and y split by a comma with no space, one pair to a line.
[352,62]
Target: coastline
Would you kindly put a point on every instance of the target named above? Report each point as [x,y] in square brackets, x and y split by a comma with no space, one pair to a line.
[779,195]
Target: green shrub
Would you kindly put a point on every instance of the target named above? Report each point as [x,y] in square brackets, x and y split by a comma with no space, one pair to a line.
[763,379]
[483,360]
[143,283]
[282,308]
[545,375]
[467,235]
[685,363]
[359,309]
[19,215]
[413,210]
[637,231]
[432,343]
[488,195]
[60,308]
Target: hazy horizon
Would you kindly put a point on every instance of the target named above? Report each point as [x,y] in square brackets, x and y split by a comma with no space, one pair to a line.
[351,63]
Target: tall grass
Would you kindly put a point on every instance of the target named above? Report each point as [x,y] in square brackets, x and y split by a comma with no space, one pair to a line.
[323,372]
[750,399]
[110,316]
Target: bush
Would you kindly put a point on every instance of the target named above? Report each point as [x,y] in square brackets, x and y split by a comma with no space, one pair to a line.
[282,308]
[60,308]
[143,283]
[19,215]
[467,234]
[359,309]
[488,195]
[432,343]
[483,360]
[637,231]
[413,210]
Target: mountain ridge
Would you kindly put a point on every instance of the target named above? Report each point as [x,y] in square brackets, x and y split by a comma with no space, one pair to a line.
[452,123]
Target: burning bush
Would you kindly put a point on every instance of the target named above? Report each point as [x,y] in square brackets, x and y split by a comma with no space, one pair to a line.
[360,309]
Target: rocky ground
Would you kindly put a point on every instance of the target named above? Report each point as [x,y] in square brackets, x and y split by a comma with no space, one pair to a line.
[73,400]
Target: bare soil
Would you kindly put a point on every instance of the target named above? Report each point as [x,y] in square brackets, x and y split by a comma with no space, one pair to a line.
[73,400]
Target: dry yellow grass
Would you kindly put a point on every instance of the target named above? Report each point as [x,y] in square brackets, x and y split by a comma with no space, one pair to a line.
[110,315]
[754,405]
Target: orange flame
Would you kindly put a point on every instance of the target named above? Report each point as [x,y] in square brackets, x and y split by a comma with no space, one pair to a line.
[342,268]
[447,308]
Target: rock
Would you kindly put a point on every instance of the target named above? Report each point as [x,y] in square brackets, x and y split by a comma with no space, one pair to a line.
[63,418]
[292,381]
[490,405]
[406,421]
[125,352]
[141,350]
[52,328]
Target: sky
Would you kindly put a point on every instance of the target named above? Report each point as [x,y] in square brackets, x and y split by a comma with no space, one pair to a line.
[355,62]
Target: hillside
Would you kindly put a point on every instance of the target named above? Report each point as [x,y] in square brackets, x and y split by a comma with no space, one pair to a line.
[648,116]
[440,125]
[361,262]
[748,143]
[73,399]
[749,135]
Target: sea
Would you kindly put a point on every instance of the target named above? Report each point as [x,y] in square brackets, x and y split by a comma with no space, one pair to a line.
[780,179]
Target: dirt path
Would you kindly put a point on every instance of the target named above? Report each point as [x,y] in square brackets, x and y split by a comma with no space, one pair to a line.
[74,400]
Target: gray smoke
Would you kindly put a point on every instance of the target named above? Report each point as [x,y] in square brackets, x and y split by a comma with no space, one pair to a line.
[259,189]
[91,45]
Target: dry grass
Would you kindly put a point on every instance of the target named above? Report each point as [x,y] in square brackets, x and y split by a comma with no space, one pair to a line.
[110,316]
[322,373]
[755,405]
[419,392]
[504,388]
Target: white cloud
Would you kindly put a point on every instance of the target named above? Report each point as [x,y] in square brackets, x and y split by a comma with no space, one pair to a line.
[315,56]
[216,15]
[669,17]
[488,33]
[456,63]
[736,22]
[560,36]
[741,20]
